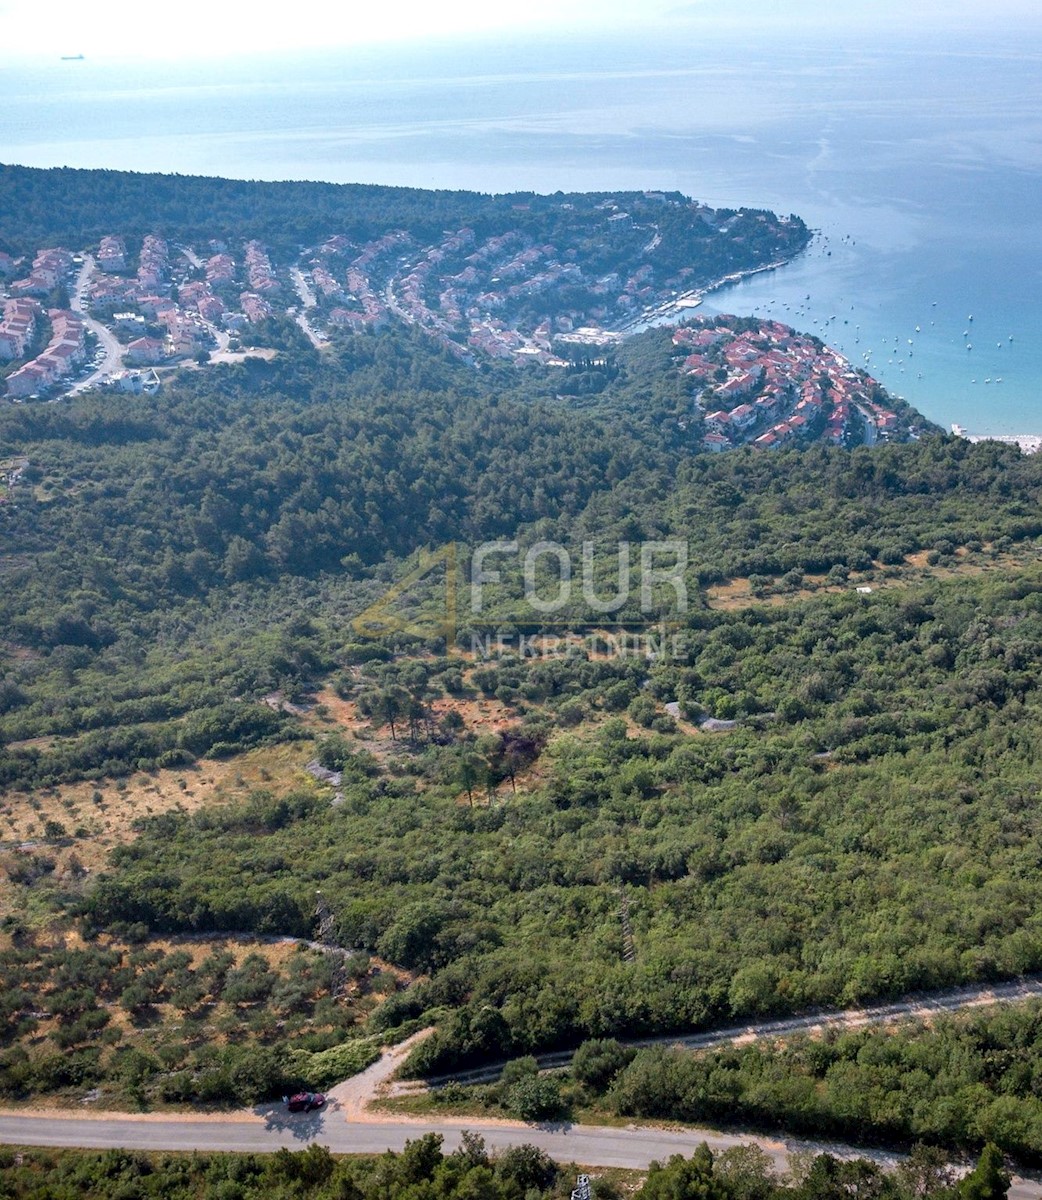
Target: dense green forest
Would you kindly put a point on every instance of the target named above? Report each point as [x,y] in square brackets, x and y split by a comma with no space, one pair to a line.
[167,557]
[77,208]
[962,1081]
[868,829]
[423,1171]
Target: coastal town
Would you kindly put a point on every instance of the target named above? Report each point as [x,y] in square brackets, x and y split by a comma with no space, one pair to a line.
[123,315]
[760,383]
[125,311]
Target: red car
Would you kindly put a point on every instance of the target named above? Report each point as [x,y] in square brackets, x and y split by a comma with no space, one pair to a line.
[305,1101]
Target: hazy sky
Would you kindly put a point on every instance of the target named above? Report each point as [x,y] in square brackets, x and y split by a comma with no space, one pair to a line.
[204,28]
[120,27]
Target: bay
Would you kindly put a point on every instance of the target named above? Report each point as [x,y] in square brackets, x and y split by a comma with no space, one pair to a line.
[918,158]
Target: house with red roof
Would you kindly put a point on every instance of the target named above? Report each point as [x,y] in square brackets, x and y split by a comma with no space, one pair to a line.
[145,351]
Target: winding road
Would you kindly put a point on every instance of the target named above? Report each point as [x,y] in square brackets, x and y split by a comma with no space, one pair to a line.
[349,1125]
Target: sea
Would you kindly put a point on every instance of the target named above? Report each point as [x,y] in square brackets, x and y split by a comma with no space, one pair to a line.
[916,157]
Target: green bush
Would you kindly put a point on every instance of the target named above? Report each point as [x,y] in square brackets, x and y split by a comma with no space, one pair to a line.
[535,1098]
[324,1068]
[599,1060]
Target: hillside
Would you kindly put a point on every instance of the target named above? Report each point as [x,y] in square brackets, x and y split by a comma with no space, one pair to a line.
[183,571]
[650,738]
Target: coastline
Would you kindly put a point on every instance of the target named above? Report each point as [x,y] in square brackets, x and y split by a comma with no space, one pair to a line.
[674,310]
[1029,443]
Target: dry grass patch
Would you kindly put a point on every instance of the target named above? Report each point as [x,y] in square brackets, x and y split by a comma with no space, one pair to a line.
[94,817]
[738,593]
[481,714]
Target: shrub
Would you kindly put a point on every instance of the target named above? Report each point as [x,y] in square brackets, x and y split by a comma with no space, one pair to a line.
[598,1061]
[323,1068]
[535,1098]
[518,1069]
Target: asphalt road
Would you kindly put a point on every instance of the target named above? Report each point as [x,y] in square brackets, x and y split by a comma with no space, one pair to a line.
[594,1146]
[113,359]
[588,1146]
[349,1130]
[307,299]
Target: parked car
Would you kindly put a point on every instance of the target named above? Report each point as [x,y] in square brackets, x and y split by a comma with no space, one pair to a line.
[305,1101]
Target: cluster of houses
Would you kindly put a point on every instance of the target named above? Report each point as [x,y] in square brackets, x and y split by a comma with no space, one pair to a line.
[18,327]
[255,308]
[65,351]
[507,296]
[154,262]
[763,384]
[466,294]
[187,309]
[470,282]
[112,254]
[323,268]
[359,307]
[49,269]
[162,307]
[141,298]
[255,304]
[220,269]
[259,271]
[147,299]
[25,320]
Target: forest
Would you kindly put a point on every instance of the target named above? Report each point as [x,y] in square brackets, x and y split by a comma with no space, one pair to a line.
[166,558]
[867,828]
[961,1081]
[77,208]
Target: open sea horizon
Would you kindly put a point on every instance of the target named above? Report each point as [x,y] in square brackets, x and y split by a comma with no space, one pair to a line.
[919,163]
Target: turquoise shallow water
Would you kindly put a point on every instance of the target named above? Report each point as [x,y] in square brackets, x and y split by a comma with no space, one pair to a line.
[920,162]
